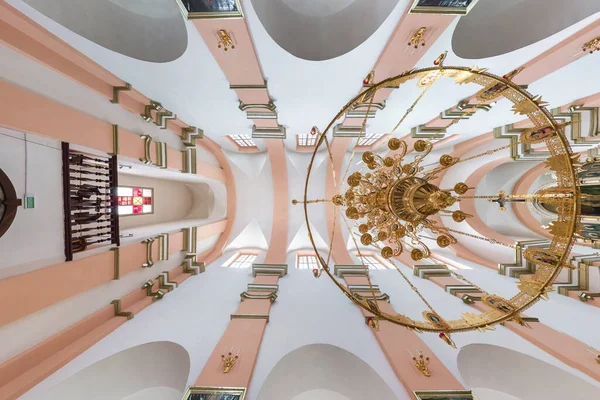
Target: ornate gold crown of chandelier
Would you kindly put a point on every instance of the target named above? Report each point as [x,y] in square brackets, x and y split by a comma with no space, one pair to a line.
[395,204]
[397,199]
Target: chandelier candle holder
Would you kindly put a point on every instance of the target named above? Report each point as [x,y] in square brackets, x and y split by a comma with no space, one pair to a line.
[369,79]
[393,203]
[421,362]
[229,360]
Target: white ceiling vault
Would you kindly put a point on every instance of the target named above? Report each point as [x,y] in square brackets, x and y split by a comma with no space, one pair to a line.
[309,93]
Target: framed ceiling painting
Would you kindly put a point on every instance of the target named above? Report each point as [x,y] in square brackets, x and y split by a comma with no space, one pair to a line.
[198,9]
[214,393]
[444,395]
[453,7]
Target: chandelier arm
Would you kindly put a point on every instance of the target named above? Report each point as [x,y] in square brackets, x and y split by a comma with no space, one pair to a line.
[462,278]
[414,288]
[489,240]
[414,104]
[432,174]
[324,138]
[332,236]
[361,257]
[360,134]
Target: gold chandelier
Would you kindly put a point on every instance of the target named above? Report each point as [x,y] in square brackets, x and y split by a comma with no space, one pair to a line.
[394,204]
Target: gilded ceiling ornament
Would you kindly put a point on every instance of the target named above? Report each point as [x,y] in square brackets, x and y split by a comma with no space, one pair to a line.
[534,288]
[396,201]
[560,163]
[528,106]
[464,77]
[591,46]
[559,228]
[476,320]
[417,40]
[225,41]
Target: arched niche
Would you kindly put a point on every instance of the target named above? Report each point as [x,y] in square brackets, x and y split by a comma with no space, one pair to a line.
[493,27]
[173,201]
[151,371]
[322,370]
[519,375]
[321,29]
[148,30]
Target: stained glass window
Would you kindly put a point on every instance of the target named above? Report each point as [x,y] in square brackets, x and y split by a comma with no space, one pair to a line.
[135,200]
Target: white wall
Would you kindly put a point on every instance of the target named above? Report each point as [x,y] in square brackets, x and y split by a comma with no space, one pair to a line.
[149,369]
[26,332]
[161,393]
[489,394]
[36,234]
[292,324]
[307,311]
[520,375]
[330,371]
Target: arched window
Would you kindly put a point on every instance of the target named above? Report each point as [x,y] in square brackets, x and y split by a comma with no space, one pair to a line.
[242,259]
[307,261]
[306,140]
[243,140]
[372,261]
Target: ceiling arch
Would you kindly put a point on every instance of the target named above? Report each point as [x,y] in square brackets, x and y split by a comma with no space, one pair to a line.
[151,368]
[327,368]
[483,32]
[148,30]
[501,369]
[324,29]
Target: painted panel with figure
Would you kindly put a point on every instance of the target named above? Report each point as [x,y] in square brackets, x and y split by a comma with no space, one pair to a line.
[214,393]
[444,395]
[453,7]
[197,9]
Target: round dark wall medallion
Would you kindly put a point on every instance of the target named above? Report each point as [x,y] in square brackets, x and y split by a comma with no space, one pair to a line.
[8,203]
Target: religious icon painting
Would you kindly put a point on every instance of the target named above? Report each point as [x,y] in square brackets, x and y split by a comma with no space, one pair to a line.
[542,256]
[198,9]
[498,303]
[214,393]
[537,135]
[436,320]
[451,7]
[491,92]
[444,395]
